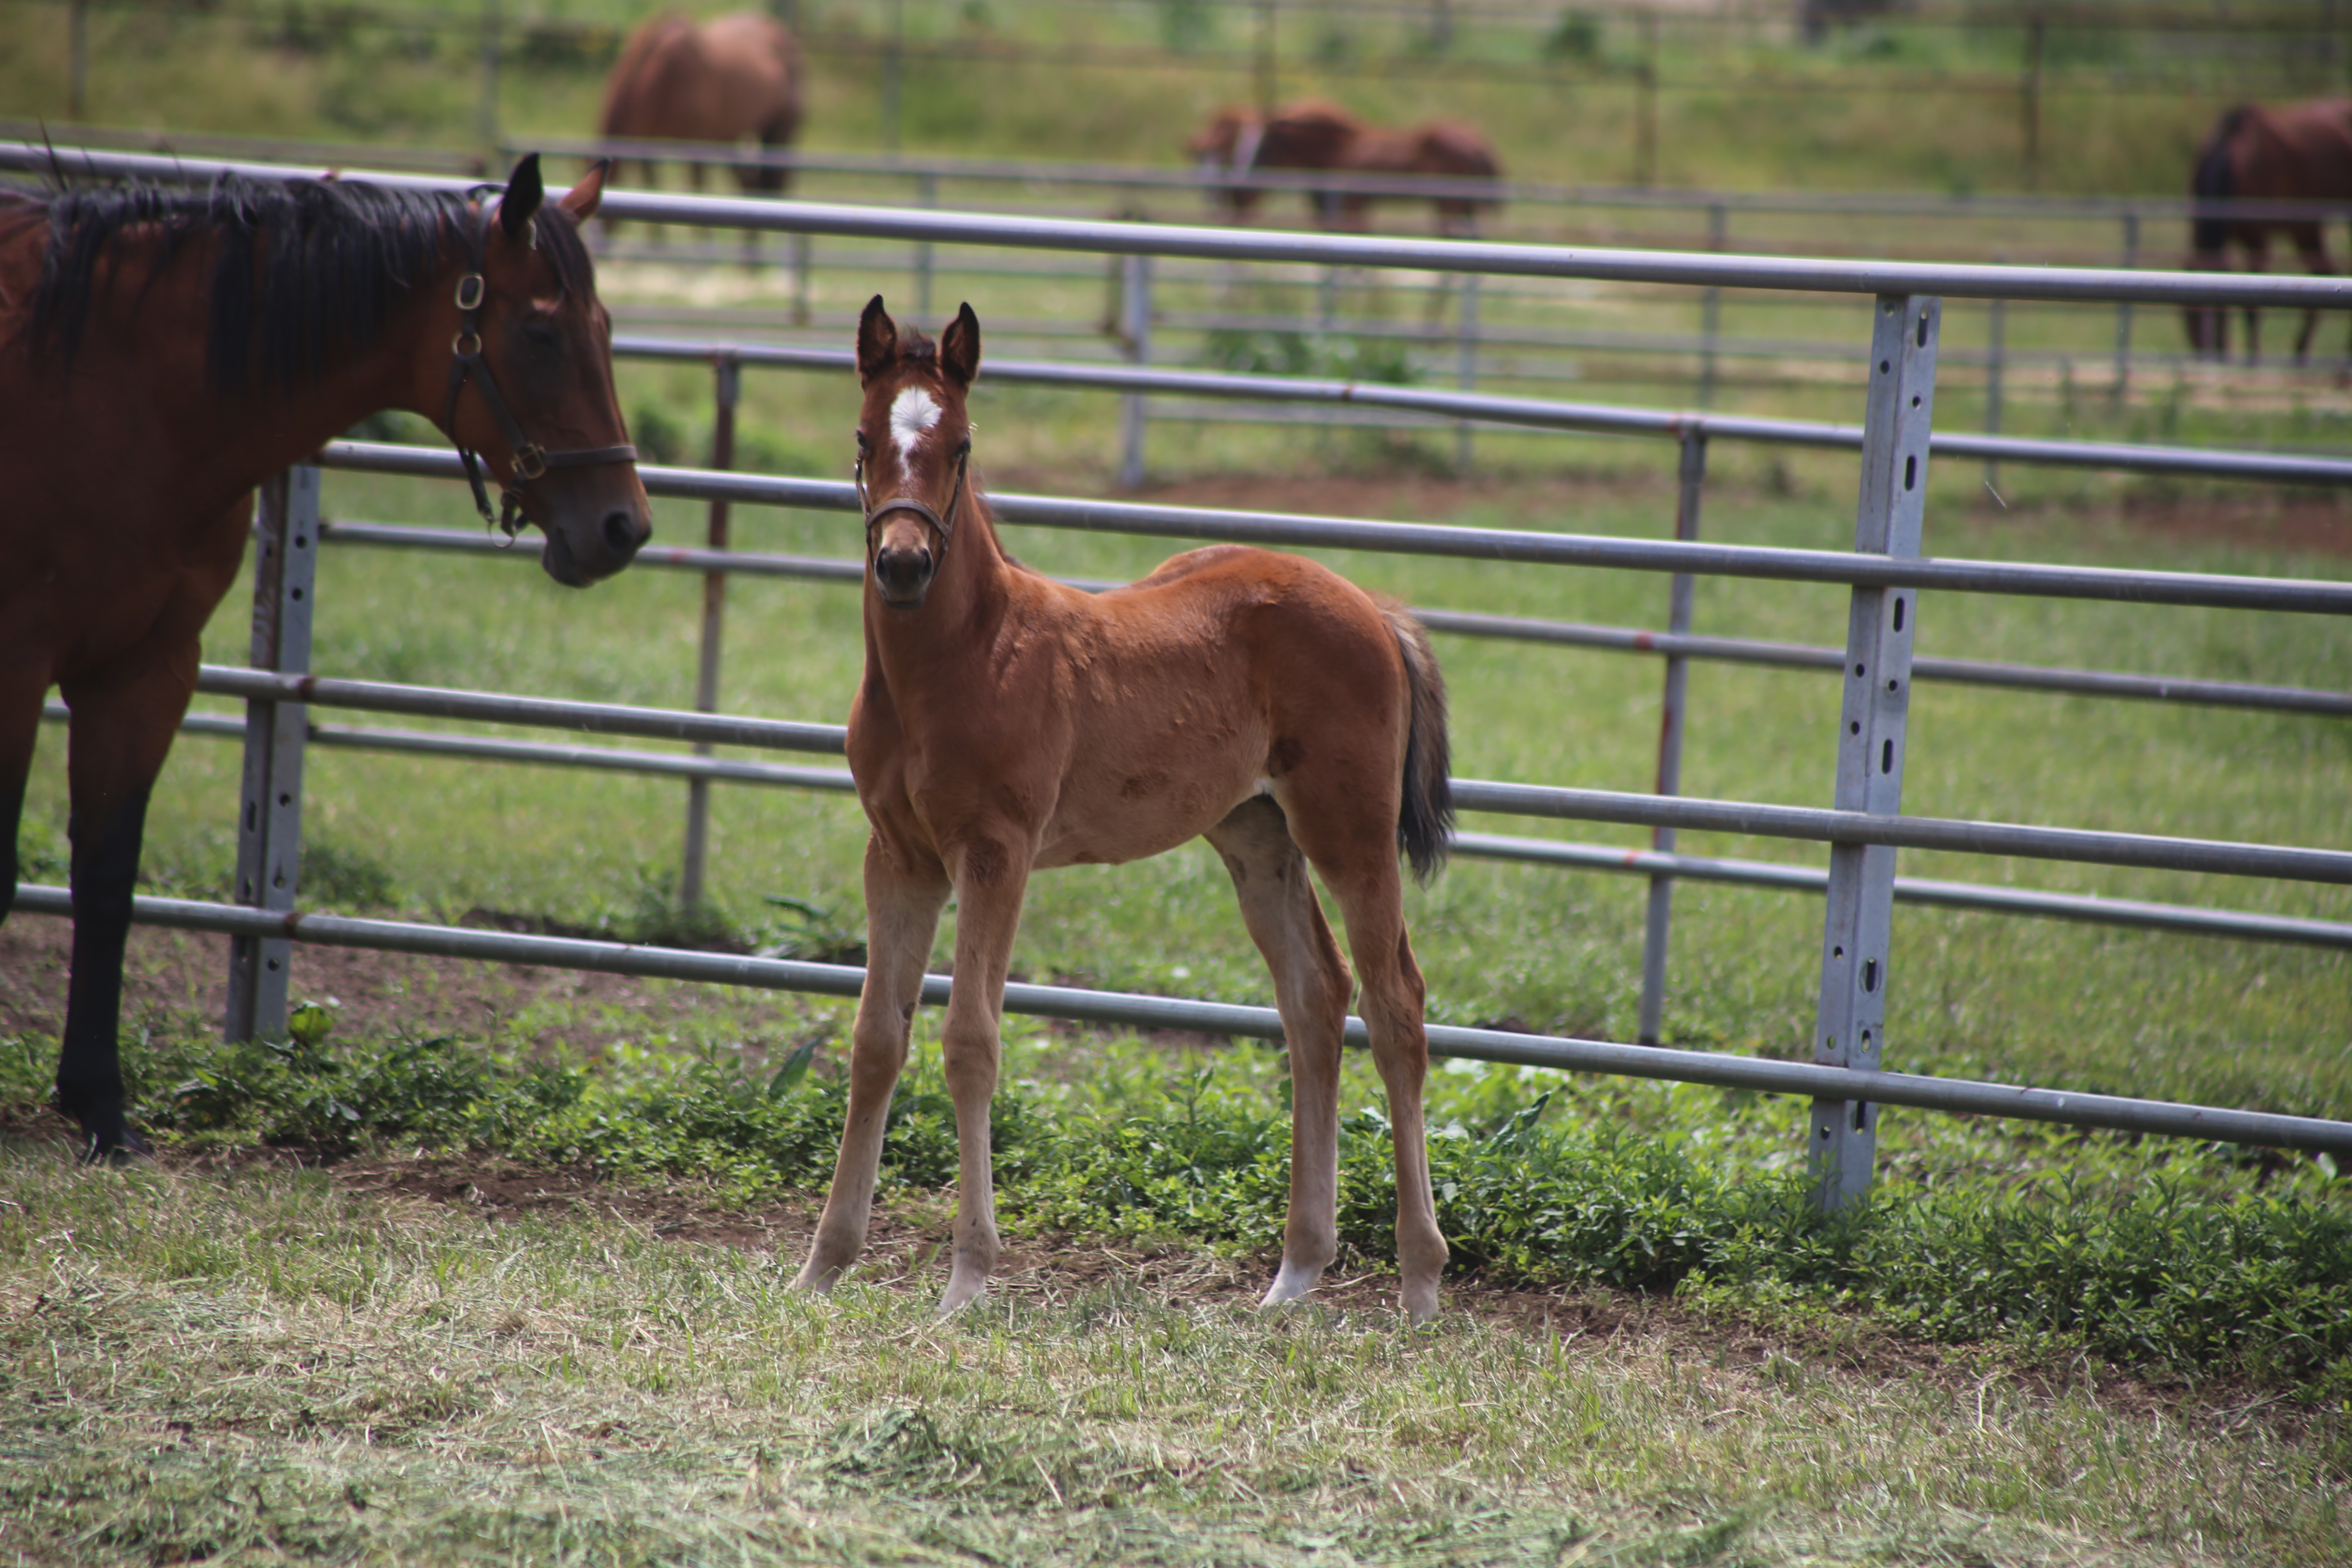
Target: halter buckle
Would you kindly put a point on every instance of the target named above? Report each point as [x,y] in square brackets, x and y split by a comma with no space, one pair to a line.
[530,461]
[471,291]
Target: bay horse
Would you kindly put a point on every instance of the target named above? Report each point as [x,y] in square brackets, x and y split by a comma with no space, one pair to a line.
[721,80]
[2293,152]
[1006,724]
[1314,133]
[161,351]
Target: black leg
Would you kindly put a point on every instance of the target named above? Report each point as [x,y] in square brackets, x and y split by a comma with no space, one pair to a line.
[90,1063]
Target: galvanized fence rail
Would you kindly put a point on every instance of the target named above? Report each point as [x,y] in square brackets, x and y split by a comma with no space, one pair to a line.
[1885,573]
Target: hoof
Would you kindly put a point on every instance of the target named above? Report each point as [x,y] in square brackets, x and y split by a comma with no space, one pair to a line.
[814,1280]
[962,1291]
[1419,1304]
[1293,1283]
[119,1146]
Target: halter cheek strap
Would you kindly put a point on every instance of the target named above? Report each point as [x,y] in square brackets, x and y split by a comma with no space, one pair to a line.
[467,364]
[942,526]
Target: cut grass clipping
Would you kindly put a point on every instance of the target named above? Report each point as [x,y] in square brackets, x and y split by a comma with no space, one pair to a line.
[2158,1256]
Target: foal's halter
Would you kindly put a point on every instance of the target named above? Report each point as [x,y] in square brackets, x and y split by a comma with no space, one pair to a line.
[530,458]
[942,526]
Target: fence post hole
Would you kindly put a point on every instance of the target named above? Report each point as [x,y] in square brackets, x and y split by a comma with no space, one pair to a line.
[804,256]
[727,373]
[926,195]
[2124,312]
[1996,353]
[1465,367]
[1691,473]
[1710,311]
[1645,106]
[894,51]
[77,61]
[270,811]
[1882,624]
[1135,332]
[485,116]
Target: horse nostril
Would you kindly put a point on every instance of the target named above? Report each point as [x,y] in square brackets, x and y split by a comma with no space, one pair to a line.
[623,534]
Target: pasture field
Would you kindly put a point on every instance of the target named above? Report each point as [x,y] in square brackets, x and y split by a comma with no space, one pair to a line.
[1897,103]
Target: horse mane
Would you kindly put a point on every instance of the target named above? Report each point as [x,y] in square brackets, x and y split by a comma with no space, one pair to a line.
[2216,179]
[302,269]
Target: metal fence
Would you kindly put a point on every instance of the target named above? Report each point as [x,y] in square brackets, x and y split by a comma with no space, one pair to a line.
[1865,827]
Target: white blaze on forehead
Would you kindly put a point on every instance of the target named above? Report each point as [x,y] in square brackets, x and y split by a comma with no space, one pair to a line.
[912,412]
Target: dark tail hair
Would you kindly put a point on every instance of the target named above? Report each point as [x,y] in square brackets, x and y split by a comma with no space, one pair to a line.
[1425,819]
[2216,179]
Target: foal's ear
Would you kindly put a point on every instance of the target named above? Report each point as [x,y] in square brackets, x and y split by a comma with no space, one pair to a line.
[525,191]
[878,341]
[583,199]
[960,347]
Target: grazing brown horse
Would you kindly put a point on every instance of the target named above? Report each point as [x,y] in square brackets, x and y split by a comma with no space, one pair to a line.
[1315,134]
[161,351]
[722,80]
[2295,152]
[1007,724]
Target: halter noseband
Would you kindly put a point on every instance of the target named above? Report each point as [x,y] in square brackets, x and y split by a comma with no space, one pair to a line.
[530,458]
[942,526]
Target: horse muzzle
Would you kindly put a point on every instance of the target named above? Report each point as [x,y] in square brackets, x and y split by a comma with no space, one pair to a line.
[902,573]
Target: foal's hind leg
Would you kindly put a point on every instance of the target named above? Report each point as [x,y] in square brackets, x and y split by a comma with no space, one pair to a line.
[902,913]
[1355,849]
[1310,989]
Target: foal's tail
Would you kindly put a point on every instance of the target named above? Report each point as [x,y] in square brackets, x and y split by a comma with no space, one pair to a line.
[1425,819]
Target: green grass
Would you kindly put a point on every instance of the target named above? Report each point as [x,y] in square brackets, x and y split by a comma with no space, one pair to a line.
[251,1364]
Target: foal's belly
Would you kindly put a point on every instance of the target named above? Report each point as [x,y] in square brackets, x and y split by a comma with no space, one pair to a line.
[1109,816]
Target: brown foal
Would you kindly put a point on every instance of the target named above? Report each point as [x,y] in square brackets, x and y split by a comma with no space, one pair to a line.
[1007,724]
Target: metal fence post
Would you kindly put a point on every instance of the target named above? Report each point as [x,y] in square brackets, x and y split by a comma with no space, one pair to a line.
[1850,1028]
[1692,474]
[803,258]
[927,194]
[727,373]
[1465,367]
[1996,352]
[2124,312]
[1710,311]
[1135,302]
[270,813]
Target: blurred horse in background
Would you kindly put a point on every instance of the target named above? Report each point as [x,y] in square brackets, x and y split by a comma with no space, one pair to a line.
[1316,134]
[2297,152]
[726,80]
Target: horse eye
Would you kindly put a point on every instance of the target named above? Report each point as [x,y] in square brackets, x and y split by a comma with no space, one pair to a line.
[863,444]
[963,448]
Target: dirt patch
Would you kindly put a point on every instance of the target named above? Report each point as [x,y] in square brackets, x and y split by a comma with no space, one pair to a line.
[172,978]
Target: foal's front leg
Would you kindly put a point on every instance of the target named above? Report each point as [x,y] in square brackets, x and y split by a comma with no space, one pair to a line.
[991,872]
[902,914]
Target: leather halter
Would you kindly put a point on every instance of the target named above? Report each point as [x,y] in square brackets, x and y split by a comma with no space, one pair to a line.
[942,526]
[530,458]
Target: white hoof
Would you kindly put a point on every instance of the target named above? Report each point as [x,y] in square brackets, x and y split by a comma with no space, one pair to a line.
[1293,1283]
[963,1289]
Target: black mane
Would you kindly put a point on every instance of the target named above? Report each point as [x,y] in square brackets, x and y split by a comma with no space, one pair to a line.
[302,269]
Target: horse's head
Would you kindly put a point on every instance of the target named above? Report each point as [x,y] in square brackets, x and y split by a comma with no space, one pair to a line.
[530,386]
[1228,145]
[914,442]
[2208,325]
